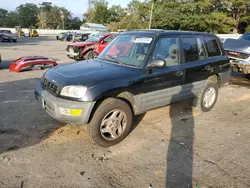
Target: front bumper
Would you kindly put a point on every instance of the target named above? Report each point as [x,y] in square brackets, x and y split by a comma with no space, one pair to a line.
[54,103]
[72,55]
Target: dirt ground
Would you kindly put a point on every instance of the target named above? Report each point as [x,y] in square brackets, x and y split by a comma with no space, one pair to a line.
[172,147]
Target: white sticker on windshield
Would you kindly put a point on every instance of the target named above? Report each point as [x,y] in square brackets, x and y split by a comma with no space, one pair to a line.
[143,40]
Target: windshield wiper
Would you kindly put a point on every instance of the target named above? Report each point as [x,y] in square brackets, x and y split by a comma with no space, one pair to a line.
[116,60]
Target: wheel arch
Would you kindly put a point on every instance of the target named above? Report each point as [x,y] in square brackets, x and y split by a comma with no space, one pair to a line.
[86,49]
[215,78]
[124,96]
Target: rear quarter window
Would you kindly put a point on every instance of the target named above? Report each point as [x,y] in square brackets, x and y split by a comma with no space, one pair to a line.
[213,48]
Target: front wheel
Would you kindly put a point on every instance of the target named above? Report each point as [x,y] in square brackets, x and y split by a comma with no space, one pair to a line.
[91,55]
[111,122]
[208,97]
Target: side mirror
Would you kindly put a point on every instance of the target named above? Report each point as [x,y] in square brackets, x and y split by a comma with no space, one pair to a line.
[157,63]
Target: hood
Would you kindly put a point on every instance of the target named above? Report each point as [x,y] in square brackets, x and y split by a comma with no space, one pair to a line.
[237,45]
[90,73]
[81,44]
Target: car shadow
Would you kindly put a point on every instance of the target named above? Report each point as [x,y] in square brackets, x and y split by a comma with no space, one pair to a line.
[137,121]
[180,149]
[23,122]
[239,80]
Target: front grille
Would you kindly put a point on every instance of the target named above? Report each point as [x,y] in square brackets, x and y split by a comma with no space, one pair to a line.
[49,86]
[237,55]
[76,49]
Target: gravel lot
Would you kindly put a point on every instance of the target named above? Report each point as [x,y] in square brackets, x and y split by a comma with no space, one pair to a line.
[170,147]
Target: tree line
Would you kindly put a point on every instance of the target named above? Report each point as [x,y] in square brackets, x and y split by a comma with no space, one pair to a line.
[216,16]
[44,16]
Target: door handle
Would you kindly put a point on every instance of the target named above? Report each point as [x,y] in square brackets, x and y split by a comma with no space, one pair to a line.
[179,73]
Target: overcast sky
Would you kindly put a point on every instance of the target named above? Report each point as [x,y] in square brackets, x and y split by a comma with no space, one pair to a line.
[77,7]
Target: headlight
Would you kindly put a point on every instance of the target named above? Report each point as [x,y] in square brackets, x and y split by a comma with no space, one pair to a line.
[74,91]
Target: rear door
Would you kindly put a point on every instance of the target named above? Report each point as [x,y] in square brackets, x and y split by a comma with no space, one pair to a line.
[195,63]
[163,85]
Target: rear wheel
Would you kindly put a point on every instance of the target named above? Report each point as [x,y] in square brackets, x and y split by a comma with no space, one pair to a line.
[111,122]
[208,97]
[14,40]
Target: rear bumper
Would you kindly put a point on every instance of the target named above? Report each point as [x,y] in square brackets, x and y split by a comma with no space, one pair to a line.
[53,105]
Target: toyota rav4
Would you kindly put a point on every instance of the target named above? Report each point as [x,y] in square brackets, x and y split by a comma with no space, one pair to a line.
[138,71]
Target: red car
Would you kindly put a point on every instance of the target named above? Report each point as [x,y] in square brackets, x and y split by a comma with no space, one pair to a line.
[29,62]
[90,48]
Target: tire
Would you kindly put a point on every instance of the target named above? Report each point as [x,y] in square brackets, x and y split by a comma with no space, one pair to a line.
[105,111]
[91,55]
[199,102]
[14,40]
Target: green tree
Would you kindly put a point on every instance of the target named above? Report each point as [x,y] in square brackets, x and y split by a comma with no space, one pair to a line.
[27,14]
[197,15]
[53,17]
[75,23]
[116,12]
[237,9]
[99,14]
[137,15]
[43,15]
[3,17]
[12,19]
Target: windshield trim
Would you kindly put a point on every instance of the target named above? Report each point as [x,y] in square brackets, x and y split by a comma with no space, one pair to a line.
[142,66]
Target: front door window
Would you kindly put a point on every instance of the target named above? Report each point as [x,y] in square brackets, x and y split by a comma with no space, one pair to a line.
[167,49]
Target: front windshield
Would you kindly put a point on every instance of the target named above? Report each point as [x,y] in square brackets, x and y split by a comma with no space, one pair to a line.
[245,37]
[94,38]
[128,50]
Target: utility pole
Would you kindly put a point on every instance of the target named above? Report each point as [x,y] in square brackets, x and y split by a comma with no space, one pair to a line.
[62,16]
[151,14]
[89,4]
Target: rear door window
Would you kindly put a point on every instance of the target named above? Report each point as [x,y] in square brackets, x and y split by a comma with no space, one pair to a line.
[193,49]
[213,48]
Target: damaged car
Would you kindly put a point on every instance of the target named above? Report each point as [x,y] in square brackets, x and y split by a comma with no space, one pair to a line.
[90,48]
[238,51]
